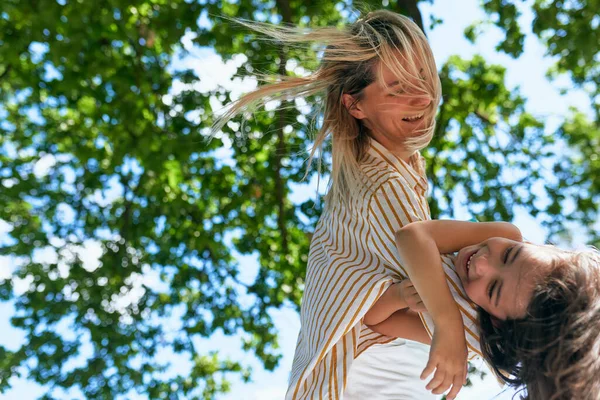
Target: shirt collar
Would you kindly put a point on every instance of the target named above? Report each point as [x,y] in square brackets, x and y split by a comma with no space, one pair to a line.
[404,168]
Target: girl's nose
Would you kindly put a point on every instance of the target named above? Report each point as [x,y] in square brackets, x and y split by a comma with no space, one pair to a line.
[480,267]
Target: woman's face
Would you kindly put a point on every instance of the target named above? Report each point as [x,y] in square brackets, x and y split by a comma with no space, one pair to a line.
[499,274]
[392,112]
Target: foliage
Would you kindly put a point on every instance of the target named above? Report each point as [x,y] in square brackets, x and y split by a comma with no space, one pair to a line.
[569,31]
[103,148]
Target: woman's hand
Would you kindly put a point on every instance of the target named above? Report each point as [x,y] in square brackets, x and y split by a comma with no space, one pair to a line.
[448,357]
[410,296]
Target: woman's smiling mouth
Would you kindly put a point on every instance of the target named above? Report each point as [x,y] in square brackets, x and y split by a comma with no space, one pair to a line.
[414,118]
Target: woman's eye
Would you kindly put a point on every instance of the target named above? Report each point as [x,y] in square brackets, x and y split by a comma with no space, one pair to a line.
[396,93]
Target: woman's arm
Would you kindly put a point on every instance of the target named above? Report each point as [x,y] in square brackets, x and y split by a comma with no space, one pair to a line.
[389,302]
[404,324]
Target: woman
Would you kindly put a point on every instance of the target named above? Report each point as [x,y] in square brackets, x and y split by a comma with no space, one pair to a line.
[381,92]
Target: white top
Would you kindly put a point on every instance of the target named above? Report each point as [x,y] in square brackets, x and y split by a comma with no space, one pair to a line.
[389,371]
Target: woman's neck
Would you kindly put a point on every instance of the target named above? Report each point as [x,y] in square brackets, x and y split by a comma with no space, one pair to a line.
[404,155]
[397,149]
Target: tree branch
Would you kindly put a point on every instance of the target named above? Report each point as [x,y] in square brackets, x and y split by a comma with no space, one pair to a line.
[440,130]
[410,9]
[281,150]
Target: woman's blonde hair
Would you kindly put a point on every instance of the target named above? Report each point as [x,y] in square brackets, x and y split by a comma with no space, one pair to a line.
[348,65]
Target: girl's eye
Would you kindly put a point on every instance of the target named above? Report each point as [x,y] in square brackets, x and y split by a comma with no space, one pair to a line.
[491,290]
[506,253]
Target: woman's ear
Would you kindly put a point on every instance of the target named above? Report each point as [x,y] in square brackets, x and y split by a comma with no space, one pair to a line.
[353,106]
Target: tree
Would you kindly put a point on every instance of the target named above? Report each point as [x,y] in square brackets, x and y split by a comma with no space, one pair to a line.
[103,145]
[569,30]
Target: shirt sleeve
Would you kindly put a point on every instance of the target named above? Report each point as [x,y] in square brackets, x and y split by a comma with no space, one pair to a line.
[392,206]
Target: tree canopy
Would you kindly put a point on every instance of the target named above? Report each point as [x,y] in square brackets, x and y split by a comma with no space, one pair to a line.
[103,147]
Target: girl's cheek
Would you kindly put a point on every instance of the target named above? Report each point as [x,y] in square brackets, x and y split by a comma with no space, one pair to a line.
[472,294]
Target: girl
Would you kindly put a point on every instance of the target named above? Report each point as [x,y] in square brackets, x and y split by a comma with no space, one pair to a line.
[539,305]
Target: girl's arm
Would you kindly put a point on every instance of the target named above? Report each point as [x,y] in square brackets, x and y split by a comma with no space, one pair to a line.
[450,236]
[420,245]
[404,324]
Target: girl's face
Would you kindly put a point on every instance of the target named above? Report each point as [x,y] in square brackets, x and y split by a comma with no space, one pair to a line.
[499,274]
[392,112]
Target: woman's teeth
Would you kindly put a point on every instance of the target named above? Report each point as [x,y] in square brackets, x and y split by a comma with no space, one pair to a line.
[413,118]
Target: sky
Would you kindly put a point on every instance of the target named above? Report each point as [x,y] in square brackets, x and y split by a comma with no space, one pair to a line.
[446,39]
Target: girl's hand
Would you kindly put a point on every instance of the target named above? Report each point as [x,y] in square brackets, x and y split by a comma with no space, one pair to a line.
[448,357]
[410,296]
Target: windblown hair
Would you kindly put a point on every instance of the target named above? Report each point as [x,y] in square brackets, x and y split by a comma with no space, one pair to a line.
[553,352]
[349,64]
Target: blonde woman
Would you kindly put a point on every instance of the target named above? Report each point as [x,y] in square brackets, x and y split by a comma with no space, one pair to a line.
[381,92]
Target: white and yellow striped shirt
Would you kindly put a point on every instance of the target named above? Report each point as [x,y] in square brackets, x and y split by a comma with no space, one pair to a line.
[353,260]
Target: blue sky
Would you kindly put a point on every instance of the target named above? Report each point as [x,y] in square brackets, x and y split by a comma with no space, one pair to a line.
[446,39]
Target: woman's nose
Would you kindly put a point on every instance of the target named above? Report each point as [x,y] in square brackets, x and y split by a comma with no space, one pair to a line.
[420,101]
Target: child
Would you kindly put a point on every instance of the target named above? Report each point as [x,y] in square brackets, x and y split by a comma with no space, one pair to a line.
[539,308]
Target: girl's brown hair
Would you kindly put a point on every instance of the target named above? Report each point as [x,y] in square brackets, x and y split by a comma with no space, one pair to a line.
[348,65]
[553,352]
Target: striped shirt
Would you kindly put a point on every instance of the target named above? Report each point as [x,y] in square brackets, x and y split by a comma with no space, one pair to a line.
[352,261]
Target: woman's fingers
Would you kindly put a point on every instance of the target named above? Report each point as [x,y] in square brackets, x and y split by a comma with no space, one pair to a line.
[415,303]
[410,291]
[406,284]
[411,296]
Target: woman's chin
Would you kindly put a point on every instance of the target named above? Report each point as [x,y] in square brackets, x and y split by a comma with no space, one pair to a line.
[414,129]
